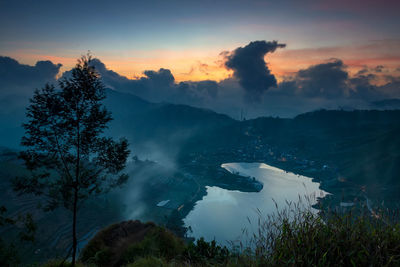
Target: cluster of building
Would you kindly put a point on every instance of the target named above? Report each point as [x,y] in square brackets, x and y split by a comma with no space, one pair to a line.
[255,150]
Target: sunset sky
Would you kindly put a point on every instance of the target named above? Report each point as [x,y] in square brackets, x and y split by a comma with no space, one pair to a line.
[188,37]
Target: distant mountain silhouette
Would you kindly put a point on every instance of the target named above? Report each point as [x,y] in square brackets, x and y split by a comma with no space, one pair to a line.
[363,145]
[392,103]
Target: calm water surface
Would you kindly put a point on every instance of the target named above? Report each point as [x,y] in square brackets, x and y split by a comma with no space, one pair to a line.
[223,214]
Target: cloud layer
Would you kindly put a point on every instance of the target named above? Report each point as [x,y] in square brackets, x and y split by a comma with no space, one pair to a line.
[18,79]
[331,80]
[250,68]
[159,86]
[252,88]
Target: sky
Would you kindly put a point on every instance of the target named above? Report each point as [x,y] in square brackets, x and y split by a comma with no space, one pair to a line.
[133,36]
[196,40]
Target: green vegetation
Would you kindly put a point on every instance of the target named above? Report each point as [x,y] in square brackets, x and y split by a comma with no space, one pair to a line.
[355,155]
[126,242]
[61,262]
[66,153]
[342,240]
[206,253]
[305,239]
[158,242]
[291,237]
[9,254]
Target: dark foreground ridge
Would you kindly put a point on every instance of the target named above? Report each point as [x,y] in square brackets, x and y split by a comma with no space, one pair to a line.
[110,244]
[306,239]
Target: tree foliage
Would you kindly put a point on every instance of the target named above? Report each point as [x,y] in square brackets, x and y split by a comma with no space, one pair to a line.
[9,255]
[68,156]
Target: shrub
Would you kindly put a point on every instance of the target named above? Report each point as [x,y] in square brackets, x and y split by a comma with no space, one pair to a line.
[107,246]
[159,242]
[344,240]
[291,237]
[60,263]
[8,254]
[149,262]
[296,237]
[203,252]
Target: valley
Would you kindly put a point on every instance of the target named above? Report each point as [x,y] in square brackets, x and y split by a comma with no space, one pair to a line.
[354,155]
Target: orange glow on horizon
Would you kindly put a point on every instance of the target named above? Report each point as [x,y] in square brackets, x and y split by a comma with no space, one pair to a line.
[197,65]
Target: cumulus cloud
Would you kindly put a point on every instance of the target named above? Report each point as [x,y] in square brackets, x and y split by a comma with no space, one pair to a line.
[327,79]
[325,85]
[250,68]
[392,88]
[200,91]
[252,89]
[18,82]
[363,87]
[331,80]
[368,70]
[20,79]
[162,77]
[322,80]
[158,86]
[379,68]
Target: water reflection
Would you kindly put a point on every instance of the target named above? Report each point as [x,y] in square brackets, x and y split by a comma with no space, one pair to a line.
[223,214]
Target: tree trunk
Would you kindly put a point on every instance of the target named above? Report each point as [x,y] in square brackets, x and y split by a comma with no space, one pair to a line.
[74,239]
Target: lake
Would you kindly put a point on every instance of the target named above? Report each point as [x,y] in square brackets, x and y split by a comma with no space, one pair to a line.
[223,214]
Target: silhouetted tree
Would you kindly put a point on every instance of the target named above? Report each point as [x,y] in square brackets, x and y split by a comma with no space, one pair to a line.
[68,157]
[9,255]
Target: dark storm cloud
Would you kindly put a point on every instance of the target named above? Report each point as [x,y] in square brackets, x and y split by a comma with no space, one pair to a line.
[20,79]
[330,80]
[250,68]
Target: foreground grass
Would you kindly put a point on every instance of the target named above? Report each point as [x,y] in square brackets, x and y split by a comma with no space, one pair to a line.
[338,240]
[291,237]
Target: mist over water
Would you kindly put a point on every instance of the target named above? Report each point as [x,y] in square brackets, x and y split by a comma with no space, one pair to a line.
[223,214]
